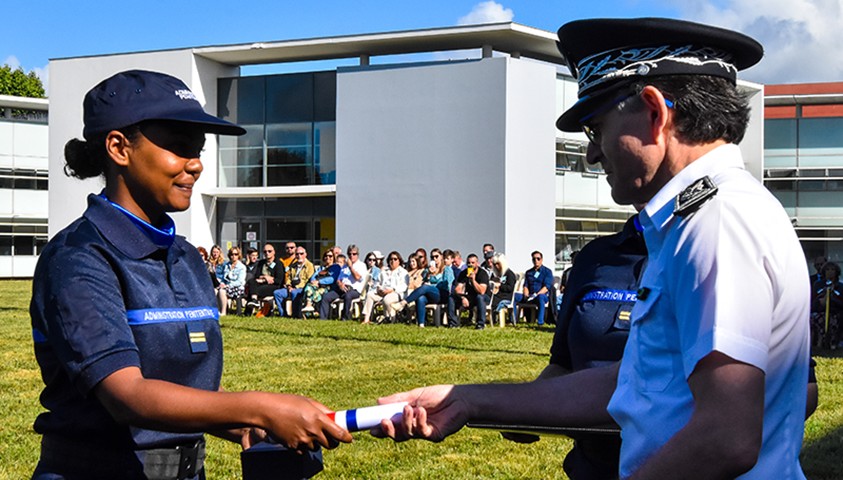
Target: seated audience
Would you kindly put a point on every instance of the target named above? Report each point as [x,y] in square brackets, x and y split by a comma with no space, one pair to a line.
[421,258]
[295,279]
[375,267]
[251,261]
[233,281]
[471,289]
[269,276]
[289,255]
[349,285]
[506,288]
[457,265]
[215,263]
[827,307]
[416,274]
[391,286]
[538,282]
[321,281]
[436,288]
[488,266]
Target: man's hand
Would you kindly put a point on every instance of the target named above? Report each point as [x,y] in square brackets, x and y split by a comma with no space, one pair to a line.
[432,413]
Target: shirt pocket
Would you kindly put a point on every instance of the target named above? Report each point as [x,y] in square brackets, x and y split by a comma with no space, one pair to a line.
[654,361]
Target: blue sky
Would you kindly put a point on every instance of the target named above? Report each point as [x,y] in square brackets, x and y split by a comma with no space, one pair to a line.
[801,37]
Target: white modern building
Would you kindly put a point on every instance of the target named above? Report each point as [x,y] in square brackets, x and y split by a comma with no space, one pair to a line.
[434,138]
[23,184]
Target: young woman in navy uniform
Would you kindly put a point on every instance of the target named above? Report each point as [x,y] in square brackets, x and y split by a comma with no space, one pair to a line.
[124,316]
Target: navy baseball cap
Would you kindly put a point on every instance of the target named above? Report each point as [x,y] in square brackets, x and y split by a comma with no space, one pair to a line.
[133,96]
[607,54]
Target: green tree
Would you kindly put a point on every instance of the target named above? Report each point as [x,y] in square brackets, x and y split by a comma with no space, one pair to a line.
[19,83]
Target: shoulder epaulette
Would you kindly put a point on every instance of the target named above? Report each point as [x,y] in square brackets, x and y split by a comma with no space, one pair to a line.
[692,198]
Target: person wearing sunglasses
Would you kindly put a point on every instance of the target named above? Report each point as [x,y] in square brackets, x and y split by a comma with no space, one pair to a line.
[471,290]
[321,281]
[233,282]
[713,379]
[349,285]
[436,286]
[538,286]
[296,277]
[269,276]
[289,255]
[390,288]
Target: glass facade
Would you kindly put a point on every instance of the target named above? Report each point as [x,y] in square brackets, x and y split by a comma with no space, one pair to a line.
[253,222]
[570,157]
[576,227]
[803,160]
[803,168]
[291,130]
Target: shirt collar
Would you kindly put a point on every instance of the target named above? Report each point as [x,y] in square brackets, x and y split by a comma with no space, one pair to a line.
[162,236]
[118,228]
[659,210]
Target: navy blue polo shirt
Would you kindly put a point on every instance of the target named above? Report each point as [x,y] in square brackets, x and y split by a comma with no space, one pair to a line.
[593,322]
[534,279]
[111,293]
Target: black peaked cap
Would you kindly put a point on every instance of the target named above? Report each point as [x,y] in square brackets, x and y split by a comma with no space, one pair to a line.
[604,54]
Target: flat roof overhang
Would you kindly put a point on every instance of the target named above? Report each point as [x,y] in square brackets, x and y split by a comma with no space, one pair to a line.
[506,37]
[808,99]
[25,103]
[272,192]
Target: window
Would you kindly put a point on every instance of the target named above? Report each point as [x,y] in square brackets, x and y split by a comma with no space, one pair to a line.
[290,120]
[22,237]
[23,179]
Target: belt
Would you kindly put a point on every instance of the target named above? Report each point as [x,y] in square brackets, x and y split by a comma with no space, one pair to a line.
[100,461]
[179,463]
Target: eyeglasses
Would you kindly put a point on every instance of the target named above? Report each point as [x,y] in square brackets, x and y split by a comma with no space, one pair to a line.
[435,256]
[592,132]
[370,259]
[536,259]
[328,255]
[269,251]
[353,253]
[233,254]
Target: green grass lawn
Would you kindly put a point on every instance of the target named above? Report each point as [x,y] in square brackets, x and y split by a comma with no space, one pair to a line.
[346,365]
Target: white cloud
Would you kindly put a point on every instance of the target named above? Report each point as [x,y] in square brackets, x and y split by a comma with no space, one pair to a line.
[801,38]
[44,74]
[487,12]
[12,61]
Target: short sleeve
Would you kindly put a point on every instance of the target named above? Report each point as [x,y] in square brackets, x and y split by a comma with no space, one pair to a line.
[84,318]
[723,294]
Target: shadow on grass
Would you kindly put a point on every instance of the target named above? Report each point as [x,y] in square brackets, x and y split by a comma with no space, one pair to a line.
[821,458]
[392,341]
[827,353]
[17,308]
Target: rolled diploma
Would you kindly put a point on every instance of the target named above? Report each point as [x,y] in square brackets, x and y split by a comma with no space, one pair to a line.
[367,417]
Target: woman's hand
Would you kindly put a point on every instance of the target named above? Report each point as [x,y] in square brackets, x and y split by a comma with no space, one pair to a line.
[302,423]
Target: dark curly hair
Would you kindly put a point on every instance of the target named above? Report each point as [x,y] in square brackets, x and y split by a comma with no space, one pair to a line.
[86,159]
[706,108]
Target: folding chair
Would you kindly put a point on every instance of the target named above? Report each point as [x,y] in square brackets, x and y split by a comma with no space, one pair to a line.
[507,310]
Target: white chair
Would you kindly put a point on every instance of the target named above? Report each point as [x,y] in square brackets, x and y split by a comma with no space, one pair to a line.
[506,311]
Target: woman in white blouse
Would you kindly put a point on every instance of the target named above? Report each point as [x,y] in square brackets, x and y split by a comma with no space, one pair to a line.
[390,289]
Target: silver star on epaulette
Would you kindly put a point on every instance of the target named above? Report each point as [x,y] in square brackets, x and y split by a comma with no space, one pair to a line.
[694,196]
